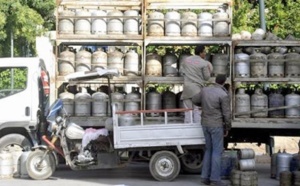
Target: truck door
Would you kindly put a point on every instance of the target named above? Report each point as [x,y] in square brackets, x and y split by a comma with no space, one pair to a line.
[15,94]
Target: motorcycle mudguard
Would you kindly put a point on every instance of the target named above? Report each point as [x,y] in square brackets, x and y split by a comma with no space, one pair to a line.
[44,147]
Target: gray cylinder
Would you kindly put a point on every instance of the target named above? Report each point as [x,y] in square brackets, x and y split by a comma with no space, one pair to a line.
[82,104]
[99,25]
[118,99]
[99,104]
[242,64]
[131,63]
[242,103]
[275,65]
[153,101]
[99,59]
[68,102]
[220,27]
[169,101]
[83,60]
[22,163]
[283,162]
[292,64]
[274,165]
[172,23]
[133,100]
[156,27]
[127,120]
[205,25]
[258,65]
[220,64]
[246,154]
[115,24]
[66,62]
[170,64]
[115,61]
[247,164]
[189,24]
[153,65]
[83,25]
[276,100]
[290,100]
[259,101]
[131,25]
[66,25]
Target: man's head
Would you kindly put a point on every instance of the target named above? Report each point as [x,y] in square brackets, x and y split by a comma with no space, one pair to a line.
[221,79]
[200,50]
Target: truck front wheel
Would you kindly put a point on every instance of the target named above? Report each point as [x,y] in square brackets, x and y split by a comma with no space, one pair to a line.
[14,142]
[164,166]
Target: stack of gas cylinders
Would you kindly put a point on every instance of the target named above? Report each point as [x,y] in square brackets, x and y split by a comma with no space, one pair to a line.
[128,63]
[251,99]
[87,103]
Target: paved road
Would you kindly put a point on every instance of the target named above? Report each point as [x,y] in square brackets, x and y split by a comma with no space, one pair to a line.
[133,175]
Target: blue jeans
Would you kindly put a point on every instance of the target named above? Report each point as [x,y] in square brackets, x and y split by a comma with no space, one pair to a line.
[214,138]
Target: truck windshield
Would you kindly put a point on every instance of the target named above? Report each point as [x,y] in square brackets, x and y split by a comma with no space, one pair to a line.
[13,80]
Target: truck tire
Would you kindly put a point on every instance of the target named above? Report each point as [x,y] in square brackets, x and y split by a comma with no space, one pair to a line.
[164,166]
[14,142]
[191,162]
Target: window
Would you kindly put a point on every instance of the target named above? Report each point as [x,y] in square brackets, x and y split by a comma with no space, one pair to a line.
[12,80]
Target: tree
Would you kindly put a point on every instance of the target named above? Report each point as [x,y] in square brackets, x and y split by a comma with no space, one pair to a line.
[24,20]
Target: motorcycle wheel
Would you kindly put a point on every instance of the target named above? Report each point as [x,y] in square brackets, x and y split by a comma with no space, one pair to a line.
[40,168]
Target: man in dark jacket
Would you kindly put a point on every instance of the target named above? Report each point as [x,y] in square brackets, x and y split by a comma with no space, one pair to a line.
[216,122]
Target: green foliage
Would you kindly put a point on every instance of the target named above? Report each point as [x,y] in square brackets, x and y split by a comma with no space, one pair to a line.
[24,19]
[19,79]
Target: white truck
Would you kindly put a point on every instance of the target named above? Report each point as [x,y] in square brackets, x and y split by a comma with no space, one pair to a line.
[23,99]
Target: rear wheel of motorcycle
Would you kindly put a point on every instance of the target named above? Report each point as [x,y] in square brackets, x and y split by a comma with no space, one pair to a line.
[40,166]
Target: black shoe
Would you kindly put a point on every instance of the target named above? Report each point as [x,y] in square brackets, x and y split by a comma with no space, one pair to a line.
[218,183]
[205,181]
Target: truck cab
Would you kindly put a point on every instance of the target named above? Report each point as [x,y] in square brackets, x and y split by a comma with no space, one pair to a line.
[24,99]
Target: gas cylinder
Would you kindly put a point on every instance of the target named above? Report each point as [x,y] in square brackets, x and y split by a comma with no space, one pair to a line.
[258,65]
[258,34]
[283,162]
[131,25]
[220,64]
[275,65]
[68,102]
[189,24]
[6,164]
[274,165]
[83,103]
[115,24]
[133,100]
[292,38]
[242,103]
[170,64]
[182,57]
[156,27]
[115,60]
[205,24]
[22,164]
[169,101]
[66,62]
[66,25]
[99,104]
[83,60]
[153,101]
[276,100]
[99,59]
[172,23]
[131,63]
[99,25]
[292,64]
[290,100]
[117,98]
[220,27]
[242,64]
[82,25]
[153,65]
[245,35]
[259,101]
